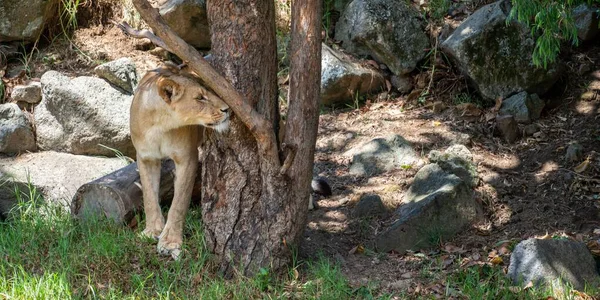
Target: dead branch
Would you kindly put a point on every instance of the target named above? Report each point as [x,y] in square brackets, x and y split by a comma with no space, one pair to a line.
[261,129]
[140,34]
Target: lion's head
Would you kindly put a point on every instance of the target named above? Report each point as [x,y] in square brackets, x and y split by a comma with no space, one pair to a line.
[187,101]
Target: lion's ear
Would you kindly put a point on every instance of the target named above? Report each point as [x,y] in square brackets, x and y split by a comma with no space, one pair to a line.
[168,89]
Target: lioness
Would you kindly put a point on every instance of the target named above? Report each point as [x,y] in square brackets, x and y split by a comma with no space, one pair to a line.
[167,107]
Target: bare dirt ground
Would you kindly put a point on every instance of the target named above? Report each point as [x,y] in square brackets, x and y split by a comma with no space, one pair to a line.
[527,188]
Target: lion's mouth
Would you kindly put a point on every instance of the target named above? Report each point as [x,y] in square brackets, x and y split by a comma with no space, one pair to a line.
[220,126]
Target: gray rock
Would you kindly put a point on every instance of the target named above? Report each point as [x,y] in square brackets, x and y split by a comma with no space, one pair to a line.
[496,57]
[524,107]
[388,30]
[586,20]
[24,20]
[369,205]
[16,132]
[381,155]
[551,261]
[402,83]
[78,115]
[30,93]
[56,176]
[342,79]
[531,129]
[188,19]
[508,127]
[574,153]
[457,160]
[436,207]
[334,142]
[121,73]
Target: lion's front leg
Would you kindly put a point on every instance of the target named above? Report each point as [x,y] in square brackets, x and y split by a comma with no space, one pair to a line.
[171,237]
[150,177]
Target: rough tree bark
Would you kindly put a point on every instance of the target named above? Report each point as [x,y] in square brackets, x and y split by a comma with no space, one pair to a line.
[254,209]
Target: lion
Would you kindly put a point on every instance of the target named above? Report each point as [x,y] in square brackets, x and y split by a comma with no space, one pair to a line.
[167,108]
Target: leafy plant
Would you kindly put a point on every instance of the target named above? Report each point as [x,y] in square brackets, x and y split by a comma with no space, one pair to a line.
[551,22]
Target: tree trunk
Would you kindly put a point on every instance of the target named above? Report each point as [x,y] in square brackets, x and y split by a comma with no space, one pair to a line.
[252,213]
[254,207]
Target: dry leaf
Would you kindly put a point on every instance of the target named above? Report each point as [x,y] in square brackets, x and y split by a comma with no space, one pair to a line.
[497,260]
[438,107]
[414,95]
[454,249]
[498,104]
[436,123]
[469,109]
[544,237]
[358,249]
[582,167]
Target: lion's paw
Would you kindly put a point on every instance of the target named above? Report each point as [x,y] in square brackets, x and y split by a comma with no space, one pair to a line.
[170,249]
[151,234]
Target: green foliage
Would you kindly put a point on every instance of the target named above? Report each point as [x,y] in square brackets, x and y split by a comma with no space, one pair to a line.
[551,22]
[438,8]
[68,14]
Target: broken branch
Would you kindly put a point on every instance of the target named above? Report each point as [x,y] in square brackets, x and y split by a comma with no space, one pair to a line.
[140,34]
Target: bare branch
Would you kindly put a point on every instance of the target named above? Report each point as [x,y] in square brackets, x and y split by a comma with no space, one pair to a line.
[261,129]
[140,34]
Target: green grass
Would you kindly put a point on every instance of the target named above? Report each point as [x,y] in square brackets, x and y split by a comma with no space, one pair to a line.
[489,282]
[46,254]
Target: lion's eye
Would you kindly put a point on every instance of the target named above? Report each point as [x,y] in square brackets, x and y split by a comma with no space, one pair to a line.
[202,98]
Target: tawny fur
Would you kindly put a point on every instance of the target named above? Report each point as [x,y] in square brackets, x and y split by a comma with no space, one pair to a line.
[167,108]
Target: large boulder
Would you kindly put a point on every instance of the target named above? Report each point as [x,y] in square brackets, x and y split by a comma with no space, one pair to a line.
[56,176]
[188,19]
[553,262]
[83,115]
[122,73]
[382,154]
[16,132]
[388,30]
[586,20]
[342,79]
[496,56]
[436,207]
[24,20]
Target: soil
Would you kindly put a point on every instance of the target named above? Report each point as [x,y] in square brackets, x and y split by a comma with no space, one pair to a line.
[527,188]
